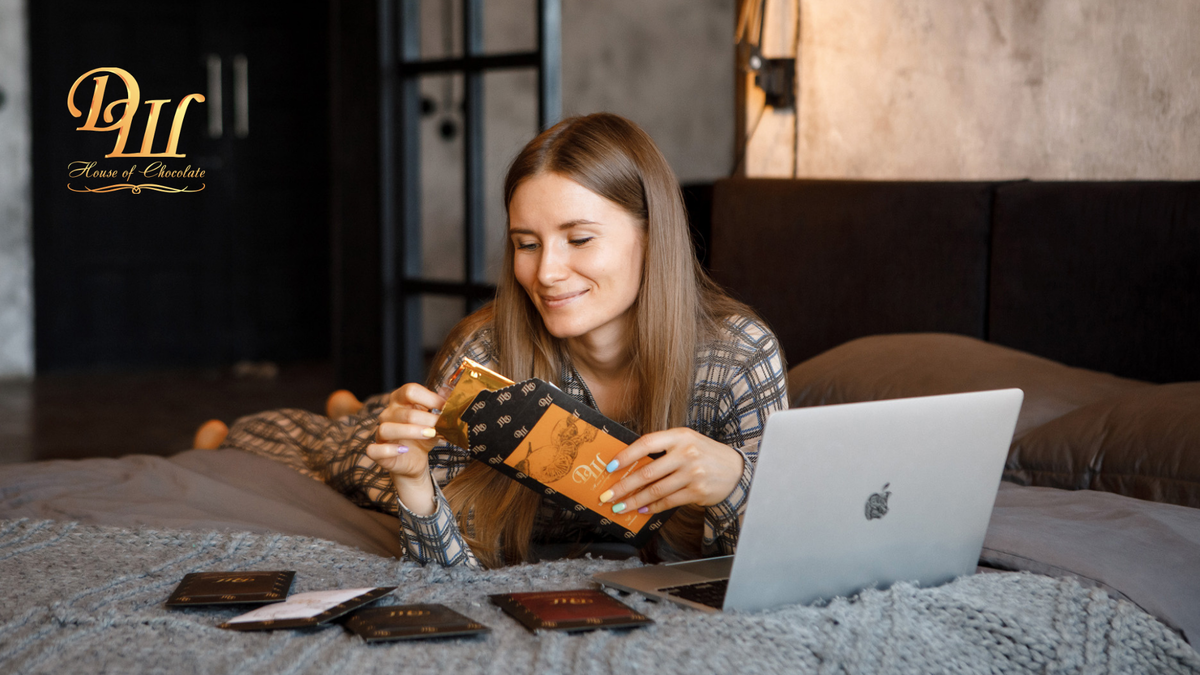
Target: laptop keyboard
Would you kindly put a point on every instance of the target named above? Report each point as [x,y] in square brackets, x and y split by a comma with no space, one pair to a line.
[710,593]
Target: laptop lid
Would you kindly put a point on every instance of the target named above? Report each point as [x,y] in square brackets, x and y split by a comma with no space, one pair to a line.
[866,494]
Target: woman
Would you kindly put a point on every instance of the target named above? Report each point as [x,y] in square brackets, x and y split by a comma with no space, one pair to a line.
[600,294]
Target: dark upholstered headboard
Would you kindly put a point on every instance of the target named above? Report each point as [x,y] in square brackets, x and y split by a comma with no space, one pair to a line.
[1101,275]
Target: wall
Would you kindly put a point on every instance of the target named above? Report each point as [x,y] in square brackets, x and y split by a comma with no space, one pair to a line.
[16,258]
[667,64]
[981,89]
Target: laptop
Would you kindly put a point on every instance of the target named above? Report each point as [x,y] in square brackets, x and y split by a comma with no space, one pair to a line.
[853,496]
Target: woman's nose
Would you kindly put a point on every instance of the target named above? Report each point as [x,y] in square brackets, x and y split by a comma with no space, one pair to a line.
[552,267]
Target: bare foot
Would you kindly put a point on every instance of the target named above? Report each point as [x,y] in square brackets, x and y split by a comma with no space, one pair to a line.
[341,403]
[210,434]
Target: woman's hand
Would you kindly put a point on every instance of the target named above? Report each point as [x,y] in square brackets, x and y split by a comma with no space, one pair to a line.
[406,434]
[695,470]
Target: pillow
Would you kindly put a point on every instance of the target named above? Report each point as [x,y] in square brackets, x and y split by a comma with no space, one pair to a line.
[926,364]
[1144,444]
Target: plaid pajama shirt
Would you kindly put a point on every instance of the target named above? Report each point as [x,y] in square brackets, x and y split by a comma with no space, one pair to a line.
[740,381]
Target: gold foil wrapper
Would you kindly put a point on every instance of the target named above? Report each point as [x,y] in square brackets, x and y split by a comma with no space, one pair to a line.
[470,379]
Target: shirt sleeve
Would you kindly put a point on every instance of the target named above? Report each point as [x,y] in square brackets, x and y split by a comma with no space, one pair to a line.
[435,537]
[757,387]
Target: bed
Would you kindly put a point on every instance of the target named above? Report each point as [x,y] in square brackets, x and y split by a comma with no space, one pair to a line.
[1091,562]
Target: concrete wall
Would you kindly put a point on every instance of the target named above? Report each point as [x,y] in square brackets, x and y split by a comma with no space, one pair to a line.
[667,65]
[16,258]
[970,89]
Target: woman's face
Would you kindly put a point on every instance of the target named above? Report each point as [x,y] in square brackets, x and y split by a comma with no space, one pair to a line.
[578,256]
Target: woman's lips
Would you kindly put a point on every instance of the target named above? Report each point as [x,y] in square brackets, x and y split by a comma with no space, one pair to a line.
[556,301]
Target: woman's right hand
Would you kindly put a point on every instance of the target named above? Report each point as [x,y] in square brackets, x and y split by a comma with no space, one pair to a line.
[405,434]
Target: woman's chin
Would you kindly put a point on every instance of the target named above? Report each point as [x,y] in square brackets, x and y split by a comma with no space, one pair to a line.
[563,332]
[564,327]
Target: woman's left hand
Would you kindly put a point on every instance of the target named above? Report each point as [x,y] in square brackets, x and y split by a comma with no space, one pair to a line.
[695,470]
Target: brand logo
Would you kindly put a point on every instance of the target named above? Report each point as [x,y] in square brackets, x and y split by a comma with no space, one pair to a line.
[877,503]
[131,103]
[129,107]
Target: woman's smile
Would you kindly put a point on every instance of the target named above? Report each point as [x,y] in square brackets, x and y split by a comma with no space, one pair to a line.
[557,301]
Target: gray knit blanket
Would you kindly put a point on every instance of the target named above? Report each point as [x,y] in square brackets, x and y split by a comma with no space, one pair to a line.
[85,599]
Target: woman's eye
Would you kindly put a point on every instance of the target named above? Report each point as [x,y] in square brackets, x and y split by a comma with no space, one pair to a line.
[581,242]
[526,246]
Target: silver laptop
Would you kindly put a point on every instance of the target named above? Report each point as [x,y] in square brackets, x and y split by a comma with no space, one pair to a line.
[847,497]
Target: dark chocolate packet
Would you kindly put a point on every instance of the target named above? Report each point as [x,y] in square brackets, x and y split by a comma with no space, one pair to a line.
[307,609]
[584,609]
[230,588]
[411,622]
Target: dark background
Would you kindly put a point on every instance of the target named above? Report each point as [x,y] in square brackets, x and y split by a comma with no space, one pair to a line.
[240,270]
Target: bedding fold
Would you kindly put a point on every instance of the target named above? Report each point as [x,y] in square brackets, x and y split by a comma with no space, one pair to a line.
[226,490]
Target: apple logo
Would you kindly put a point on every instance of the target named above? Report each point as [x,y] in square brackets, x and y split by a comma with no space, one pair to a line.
[877,503]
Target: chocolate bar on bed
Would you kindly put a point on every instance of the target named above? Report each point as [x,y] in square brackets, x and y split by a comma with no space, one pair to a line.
[411,622]
[557,446]
[229,588]
[585,609]
[307,609]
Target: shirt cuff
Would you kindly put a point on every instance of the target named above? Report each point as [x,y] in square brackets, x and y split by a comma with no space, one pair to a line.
[420,523]
[435,537]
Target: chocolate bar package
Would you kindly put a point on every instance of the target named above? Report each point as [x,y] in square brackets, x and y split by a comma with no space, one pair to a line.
[230,588]
[549,441]
[468,381]
[411,622]
[307,609]
[585,609]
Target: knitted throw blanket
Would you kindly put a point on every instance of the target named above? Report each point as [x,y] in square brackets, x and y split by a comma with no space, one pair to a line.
[90,599]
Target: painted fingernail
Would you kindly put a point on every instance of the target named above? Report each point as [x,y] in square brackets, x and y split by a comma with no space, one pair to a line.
[618,507]
[612,466]
[605,496]
[401,449]
[644,509]
[429,433]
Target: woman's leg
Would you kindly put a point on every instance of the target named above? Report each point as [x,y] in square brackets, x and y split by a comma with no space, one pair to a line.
[329,450]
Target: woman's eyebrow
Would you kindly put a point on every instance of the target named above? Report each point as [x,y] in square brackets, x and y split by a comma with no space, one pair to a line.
[563,226]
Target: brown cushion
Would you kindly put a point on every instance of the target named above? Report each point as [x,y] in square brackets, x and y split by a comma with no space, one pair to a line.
[927,364]
[1143,444]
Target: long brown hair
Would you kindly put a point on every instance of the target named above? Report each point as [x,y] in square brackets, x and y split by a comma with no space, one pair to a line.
[677,309]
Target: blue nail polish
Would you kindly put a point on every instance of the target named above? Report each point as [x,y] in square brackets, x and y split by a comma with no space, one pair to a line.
[618,507]
[612,466]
